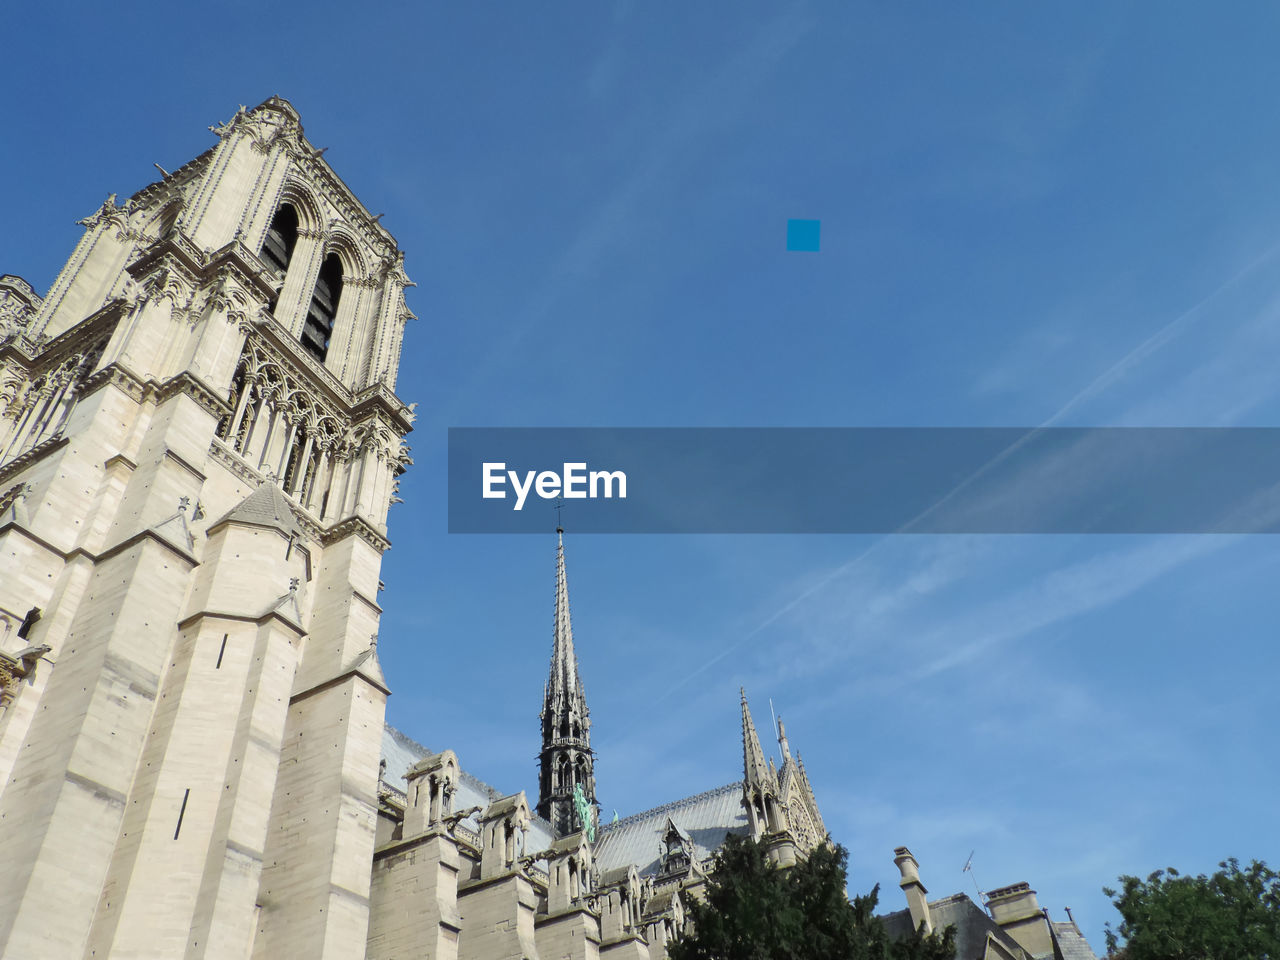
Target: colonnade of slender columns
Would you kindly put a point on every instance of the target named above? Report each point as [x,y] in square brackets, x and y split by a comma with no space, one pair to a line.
[316,470]
[42,410]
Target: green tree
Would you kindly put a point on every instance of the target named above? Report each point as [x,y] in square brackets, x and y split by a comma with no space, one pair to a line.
[1232,915]
[754,911]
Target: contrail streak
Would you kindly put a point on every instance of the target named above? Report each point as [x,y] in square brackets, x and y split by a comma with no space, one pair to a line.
[1096,386]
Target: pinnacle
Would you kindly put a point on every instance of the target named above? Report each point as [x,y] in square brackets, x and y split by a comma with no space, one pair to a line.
[754,768]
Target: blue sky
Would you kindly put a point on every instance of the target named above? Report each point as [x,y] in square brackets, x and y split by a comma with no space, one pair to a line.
[1031,214]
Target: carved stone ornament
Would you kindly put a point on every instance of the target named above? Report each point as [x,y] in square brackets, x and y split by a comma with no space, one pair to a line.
[18,307]
[108,213]
[222,129]
[265,125]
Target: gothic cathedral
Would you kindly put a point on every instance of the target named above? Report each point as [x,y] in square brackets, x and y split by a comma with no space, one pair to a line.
[200,439]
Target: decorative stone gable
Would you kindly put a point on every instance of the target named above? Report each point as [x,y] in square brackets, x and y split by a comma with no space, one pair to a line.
[502,832]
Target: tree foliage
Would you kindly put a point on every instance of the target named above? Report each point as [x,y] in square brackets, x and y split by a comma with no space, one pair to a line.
[1232,915]
[754,911]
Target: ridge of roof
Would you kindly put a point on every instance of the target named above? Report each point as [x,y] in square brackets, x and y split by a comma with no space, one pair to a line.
[669,807]
[405,740]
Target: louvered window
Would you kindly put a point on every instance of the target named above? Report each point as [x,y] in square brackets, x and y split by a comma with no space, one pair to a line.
[281,239]
[323,308]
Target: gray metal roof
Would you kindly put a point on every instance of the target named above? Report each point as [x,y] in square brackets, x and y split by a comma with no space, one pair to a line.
[402,752]
[1072,941]
[973,925]
[706,817]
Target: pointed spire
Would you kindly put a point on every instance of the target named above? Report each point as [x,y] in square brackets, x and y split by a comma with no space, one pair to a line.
[754,768]
[564,661]
[782,741]
[565,762]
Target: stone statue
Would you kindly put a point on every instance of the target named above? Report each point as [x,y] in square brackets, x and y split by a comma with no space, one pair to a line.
[586,815]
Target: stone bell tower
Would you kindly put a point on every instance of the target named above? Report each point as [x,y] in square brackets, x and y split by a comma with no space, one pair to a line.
[199,443]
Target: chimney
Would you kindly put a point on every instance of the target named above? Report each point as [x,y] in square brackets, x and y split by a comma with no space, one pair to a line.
[913,889]
[1018,912]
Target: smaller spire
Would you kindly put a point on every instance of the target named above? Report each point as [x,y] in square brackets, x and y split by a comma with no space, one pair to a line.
[782,741]
[754,768]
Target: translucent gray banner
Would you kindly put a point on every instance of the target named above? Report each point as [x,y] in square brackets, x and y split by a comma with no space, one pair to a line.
[865,480]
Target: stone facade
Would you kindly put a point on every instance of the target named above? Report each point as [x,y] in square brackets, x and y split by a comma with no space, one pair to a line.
[193,506]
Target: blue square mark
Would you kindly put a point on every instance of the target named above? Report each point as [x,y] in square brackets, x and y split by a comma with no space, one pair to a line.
[802,235]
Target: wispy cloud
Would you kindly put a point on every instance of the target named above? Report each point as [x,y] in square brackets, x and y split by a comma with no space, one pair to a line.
[1162,337]
[718,101]
[1228,385]
[1098,582]
[1059,596]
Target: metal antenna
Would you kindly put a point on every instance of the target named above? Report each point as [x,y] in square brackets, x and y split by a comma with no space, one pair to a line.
[774,718]
[968,868]
[559,507]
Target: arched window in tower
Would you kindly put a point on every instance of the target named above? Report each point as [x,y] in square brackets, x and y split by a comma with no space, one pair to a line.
[562,774]
[282,236]
[235,404]
[324,307]
[295,468]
